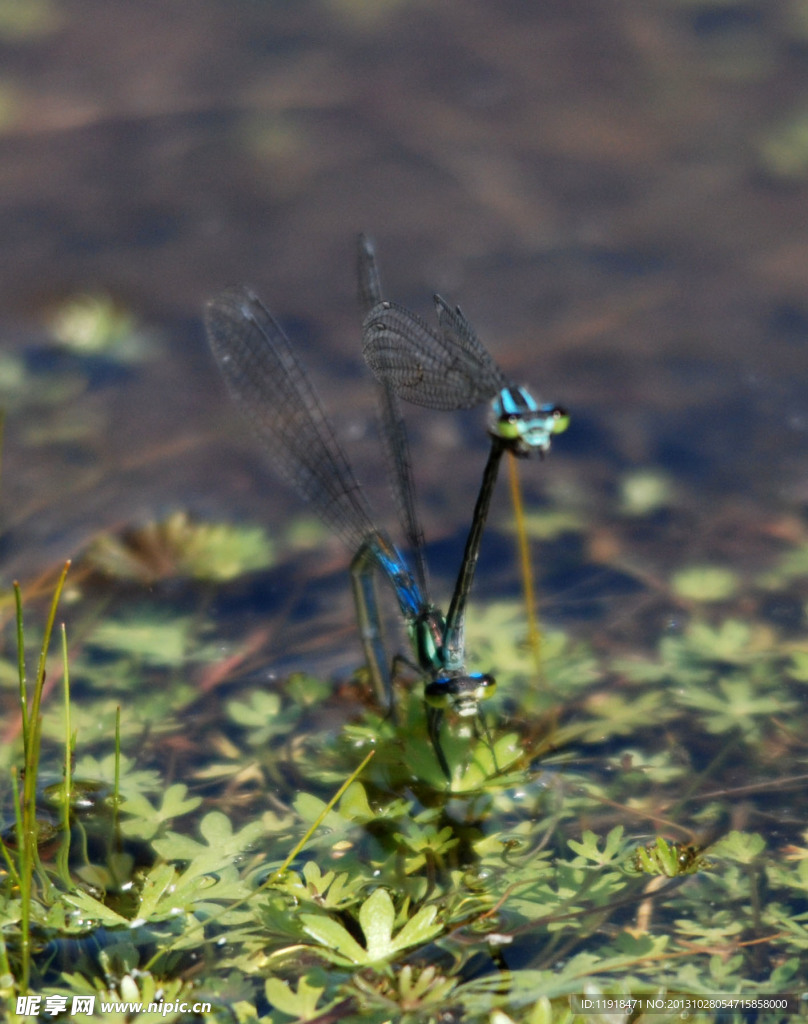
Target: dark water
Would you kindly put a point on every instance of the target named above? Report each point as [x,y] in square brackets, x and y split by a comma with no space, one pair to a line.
[616,197]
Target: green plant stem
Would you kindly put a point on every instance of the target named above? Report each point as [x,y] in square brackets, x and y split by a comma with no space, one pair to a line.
[25,806]
[67,785]
[21,664]
[318,820]
[523,547]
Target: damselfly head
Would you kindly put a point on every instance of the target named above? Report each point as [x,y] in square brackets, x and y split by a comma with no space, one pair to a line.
[522,424]
[460,693]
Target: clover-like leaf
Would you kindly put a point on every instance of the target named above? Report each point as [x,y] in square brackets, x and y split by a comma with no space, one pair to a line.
[264,716]
[143,636]
[376,919]
[620,714]
[731,642]
[736,704]
[223,844]
[147,818]
[302,1003]
[376,916]
[743,847]
[588,847]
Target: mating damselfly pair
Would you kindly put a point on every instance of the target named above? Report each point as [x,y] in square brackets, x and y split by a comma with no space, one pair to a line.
[444,369]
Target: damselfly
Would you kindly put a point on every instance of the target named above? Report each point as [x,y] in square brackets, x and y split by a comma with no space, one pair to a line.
[271,388]
[450,368]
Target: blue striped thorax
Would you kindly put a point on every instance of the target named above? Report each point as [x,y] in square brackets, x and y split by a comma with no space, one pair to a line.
[522,425]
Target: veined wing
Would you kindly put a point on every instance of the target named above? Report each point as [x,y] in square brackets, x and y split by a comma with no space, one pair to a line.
[449,369]
[270,387]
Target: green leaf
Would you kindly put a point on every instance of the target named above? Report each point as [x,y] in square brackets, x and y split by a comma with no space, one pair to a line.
[587,849]
[161,880]
[377,916]
[705,583]
[156,641]
[620,714]
[354,803]
[669,859]
[550,523]
[333,937]
[220,551]
[743,847]
[222,846]
[376,919]
[93,910]
[149,818]
[736,704]
[644,491]
[301,1003]
[730,642]
[794,562]
[260,707]
[799,666]
[327,889]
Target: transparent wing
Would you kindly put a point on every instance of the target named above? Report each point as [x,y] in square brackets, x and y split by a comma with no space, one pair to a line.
[449,369]
[394,432]
[270,387]
[370,288]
